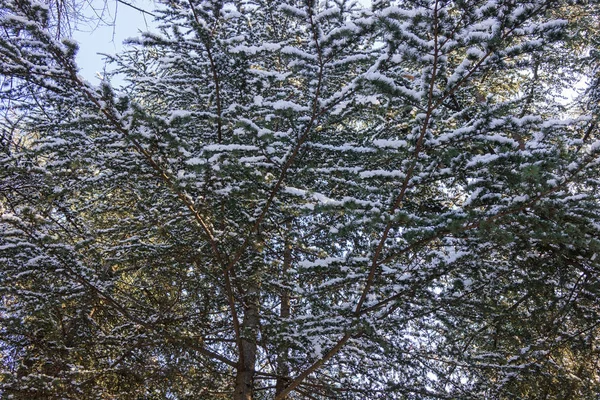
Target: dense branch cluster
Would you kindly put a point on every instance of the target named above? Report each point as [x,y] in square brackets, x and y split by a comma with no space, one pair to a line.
[304,200]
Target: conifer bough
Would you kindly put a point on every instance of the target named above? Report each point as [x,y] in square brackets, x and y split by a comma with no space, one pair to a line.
[304,200]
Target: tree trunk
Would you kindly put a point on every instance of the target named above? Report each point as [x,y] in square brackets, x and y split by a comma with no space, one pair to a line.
[283,368]
[244,381]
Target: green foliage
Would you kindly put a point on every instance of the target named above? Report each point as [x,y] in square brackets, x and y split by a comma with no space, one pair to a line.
[303,200]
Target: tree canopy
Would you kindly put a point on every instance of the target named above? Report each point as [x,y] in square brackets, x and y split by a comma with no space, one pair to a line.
[304,199]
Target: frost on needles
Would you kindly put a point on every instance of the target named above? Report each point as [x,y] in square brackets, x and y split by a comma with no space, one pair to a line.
[315,199]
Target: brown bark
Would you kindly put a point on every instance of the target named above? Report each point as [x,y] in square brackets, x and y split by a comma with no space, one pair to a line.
[283,369]
[244,381]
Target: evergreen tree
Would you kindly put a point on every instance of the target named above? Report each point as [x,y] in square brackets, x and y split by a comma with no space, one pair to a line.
[303,199]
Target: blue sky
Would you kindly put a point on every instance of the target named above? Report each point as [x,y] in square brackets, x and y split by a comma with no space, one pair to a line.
[108,39]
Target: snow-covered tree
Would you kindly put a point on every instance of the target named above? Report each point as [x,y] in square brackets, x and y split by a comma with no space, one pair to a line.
[303,199]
